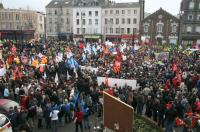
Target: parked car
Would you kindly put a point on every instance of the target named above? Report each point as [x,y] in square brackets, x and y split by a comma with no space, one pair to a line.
[5,124]
[5,105]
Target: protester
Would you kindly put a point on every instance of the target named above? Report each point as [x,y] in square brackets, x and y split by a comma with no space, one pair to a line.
[60,75]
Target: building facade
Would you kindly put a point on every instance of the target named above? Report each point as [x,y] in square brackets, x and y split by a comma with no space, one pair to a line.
[120,21]
[87,20]
[59,19]
[160,28]
[18,24]
[190,22]
[94,20]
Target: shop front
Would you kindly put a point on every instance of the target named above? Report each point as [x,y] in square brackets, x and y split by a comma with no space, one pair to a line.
[78,37]
[113,38]
[129,38]
[93,38]
[17,35]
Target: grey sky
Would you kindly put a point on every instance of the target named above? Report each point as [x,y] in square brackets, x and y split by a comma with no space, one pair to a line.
[171,6]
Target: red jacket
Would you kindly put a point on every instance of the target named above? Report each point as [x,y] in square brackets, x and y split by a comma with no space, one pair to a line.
[79,116]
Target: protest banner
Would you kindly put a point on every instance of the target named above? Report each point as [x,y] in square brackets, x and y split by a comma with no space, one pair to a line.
[119,82]
[89,68]
[112,119]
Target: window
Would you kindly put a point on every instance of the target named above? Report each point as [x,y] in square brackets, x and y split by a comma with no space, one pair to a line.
[83,21]
[106,21]
[83,14]
[199,5]
[90,13]
[111,20]
[106,11]
[117,20]
[190,17]
[117,30]
[77,13]
[78,31]
[111,30]
[134,21]
[83,30]
[129,21]
[17,16]
[174,28]
[198,29]
[55,12]
[122,30]
[117,11]
[129,11]
[123,21]
[135,12]
[77,22]
[90,21]
[134,30]
[96,22]
[123,11]
[67,12]
[191,5]
[96,13]
[198,17]
[111,11]
[68,21]
[159,28]
[189,29]
[146,28]
[128,30]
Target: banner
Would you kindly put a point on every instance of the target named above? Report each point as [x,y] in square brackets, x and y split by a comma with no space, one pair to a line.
[89,68]
[119,82]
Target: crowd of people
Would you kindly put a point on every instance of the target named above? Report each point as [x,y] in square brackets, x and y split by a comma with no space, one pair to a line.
[47,80]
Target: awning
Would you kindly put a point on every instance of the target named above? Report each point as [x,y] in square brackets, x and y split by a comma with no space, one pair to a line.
[92,37]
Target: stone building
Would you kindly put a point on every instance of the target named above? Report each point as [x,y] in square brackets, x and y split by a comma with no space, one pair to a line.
[190,22]
[59,19]
[20,24]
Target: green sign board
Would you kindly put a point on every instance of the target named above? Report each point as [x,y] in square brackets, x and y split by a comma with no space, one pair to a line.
[92,37]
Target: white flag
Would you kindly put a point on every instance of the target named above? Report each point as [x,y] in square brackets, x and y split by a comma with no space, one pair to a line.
[56,79]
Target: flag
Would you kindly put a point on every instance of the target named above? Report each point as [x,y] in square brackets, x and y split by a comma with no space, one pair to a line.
[174,67]
[56,80]
[117,66]
[13,49]
[81,46]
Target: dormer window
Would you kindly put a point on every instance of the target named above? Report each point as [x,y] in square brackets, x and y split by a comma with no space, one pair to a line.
[55,3]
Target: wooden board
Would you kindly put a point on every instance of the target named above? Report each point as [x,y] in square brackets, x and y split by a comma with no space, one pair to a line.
[117,115]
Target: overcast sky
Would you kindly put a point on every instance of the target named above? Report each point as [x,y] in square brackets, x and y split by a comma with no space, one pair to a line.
[171,6]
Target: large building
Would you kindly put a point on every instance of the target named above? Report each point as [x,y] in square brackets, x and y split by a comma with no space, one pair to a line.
[120,21]
[59,19]
[160,28]
[94,20]
[87,18]
[190,22]
[19,24]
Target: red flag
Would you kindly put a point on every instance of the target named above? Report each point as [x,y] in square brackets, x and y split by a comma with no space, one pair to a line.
[117,66]
[174,67]
[81,46]
[13,49]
